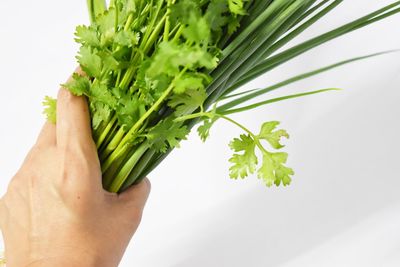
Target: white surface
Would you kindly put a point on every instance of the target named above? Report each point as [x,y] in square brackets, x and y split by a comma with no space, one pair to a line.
[343,208]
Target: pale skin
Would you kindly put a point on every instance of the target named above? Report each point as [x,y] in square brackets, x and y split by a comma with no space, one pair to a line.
[55,211]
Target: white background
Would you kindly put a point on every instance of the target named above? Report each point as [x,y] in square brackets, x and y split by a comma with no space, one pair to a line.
[343,208]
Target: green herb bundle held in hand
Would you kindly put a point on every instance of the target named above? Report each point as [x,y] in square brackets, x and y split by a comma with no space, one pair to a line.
[155,68]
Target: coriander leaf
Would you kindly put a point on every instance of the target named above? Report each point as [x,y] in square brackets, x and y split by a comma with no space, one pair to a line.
[233,25]
[90,62]
[237,7]
[125,38]
[197,30]
[167,134]
[171,57]
[106,22]
[100,112]
[273,170]
[273,137]
[204,130]
[87,36]
[214,14]
[188,101]
[50,109]
[128,7]
[78,85]
[99,92]
[129,110]
[246,163]
[109,63]
[179,11]
[188,81]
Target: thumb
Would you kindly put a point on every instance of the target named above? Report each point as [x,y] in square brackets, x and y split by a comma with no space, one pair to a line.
[135,197]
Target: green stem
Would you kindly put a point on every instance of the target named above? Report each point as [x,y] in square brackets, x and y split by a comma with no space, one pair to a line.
[256,140]
[128,22]
[194,116]
[133,131]
[167,23]
[127,168]
[135,175]
[95,8]
[113,144]
[213,115]
[178,33]
[105,132]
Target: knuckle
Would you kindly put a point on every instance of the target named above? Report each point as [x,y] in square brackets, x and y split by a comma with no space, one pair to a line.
[64,95]
[16,184]
[73,164]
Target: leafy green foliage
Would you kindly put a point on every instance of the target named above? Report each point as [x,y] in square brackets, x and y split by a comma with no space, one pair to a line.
[50,109]
[78,85]
[237,7]
[90,61]
[167,134]
[245,163]
[188,101]
[204,129]
[273,137]
[171,58]
[273,169]
[87,36]
[151,65]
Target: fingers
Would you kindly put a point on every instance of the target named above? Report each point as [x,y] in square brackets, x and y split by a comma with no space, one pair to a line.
[73,120]
[136,196]
[47,136]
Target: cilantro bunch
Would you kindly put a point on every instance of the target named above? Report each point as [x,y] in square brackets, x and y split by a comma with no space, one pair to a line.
[155,68]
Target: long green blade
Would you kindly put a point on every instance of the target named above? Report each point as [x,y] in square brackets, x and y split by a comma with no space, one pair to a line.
[251,94]
[285,56]
[270,101]
[261,39]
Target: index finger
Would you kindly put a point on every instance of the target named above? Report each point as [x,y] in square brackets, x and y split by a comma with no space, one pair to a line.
[73,120]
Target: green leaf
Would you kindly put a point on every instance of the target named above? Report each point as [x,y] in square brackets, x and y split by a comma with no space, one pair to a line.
[167,134]
[78,85]
[273,170]
[99,92]
[106,22]
[171,57]
[204,129]
[237,7]
[125,38]
[129,110]
[100,112]
[273,137]
[198,30]
[215,15]
[90,62]
[187,102]
[87,36]
[109,63]
[183,10]
[50,109]
[245,163]
[188,81]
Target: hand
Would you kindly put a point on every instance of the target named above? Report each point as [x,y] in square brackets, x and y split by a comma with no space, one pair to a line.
[55,212]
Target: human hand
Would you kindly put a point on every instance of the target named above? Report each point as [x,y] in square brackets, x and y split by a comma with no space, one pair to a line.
[55,211]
